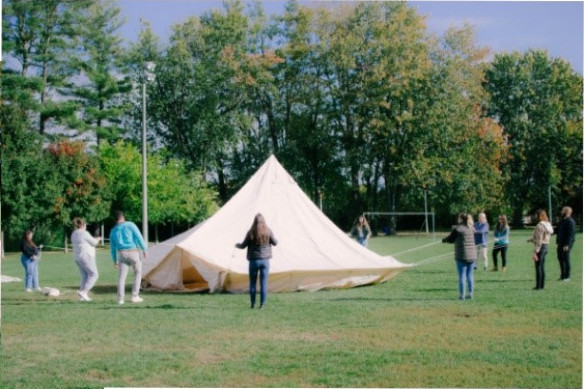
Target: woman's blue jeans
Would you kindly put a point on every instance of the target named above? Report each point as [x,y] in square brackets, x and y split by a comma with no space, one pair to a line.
[31,272]
[261,266]
[540,267]
[465,278]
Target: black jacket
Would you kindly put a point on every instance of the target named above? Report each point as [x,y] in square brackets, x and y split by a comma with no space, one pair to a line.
[565,232]
[28,250]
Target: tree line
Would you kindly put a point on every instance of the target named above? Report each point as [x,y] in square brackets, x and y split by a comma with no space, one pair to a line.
[365,108]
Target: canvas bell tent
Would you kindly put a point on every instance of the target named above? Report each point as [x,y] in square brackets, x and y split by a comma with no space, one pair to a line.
[312,252]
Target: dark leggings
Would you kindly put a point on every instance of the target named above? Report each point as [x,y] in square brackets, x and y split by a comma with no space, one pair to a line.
[503,250]
[540,267]
[564,259]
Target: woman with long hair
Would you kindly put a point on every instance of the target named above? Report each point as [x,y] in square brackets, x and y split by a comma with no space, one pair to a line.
[259,241]
[84,253]
[361,230]
[501,235]
[30,261]
[541,239]
[465,254]
[481,234]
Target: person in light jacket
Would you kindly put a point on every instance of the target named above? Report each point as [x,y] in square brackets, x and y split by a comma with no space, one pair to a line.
[541,239]
[481,235]
[259,241]
[465,254]
[84,253]
[126,244]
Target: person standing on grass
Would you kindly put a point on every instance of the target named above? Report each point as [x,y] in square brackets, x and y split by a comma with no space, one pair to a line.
[465,254]
[361,230]
[541,238]
[84,253]
[126,243]
[259,241]
[501,235]
[30,262]
[565,241]
[481,236]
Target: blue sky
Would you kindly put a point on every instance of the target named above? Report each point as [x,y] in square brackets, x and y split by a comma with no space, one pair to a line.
[504,26]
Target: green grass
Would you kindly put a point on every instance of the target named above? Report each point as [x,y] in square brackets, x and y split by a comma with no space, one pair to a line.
[408,332]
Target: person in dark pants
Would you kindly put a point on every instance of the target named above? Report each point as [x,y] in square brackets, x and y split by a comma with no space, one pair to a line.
[565,241]
[541,238]
[501,243]
[259,241]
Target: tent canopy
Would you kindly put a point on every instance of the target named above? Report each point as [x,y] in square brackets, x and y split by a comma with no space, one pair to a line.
[312,252]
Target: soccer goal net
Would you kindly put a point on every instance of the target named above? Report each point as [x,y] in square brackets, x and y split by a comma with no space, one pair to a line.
[392,223]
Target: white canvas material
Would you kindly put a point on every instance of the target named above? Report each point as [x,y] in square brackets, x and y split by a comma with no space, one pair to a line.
[312,252]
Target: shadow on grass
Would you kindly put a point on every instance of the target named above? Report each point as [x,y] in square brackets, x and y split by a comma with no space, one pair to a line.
[429,271]
[43,301]
[503,281]
[142,306]
[387,299]
[97,289]
[113,289]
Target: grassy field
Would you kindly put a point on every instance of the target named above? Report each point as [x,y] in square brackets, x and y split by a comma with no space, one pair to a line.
[411,331]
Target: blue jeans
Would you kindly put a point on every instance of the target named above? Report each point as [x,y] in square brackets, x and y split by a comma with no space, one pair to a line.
[261,266]
[31,272]
[540,267]
[465,277]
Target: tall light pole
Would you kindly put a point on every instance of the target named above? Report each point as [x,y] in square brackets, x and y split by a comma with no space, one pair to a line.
[147,75]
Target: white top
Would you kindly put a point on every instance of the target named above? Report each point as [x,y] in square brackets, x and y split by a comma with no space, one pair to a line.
[83,244]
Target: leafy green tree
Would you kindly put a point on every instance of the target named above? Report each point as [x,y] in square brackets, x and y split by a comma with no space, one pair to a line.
[29,184]
[463,150]
[175,195]
[37,38]
[146,49]
[392,69]
[195,96]
[121,163]
[102,86]
[81,184]
[256,123]
[538,102]
[307,143]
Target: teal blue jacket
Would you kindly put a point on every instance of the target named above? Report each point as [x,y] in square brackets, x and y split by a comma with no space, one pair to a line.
[125,236]
[501,235]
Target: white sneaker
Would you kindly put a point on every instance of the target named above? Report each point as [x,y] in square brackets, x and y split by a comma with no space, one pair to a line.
[137,299]
[120,302]
[83,295]
[28,290]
